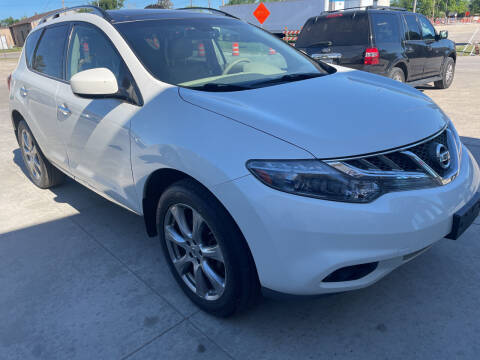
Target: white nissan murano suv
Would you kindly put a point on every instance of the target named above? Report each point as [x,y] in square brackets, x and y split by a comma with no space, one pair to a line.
[256,166]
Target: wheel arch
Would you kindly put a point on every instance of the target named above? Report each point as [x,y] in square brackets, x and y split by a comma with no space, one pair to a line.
[401,65]
[16,118]
[156,184]
[453,55]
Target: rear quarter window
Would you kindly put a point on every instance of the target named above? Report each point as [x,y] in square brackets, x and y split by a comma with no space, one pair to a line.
[386,28]
[341,29]
[30,46]
[48,58]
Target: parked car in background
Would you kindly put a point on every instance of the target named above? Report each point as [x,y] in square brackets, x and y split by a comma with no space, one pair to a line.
[387,41]
[186,119]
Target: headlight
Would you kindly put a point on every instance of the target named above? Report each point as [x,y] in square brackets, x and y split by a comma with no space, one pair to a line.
[335,181]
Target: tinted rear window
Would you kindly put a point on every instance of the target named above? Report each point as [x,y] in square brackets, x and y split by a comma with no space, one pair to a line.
[30,46]
[413,30]
[48,57]
[339,29]
[385,27]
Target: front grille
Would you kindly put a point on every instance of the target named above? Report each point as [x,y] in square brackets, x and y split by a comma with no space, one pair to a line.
[402,161]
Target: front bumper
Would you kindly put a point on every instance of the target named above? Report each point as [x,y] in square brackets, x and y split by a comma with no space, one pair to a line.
[297,242]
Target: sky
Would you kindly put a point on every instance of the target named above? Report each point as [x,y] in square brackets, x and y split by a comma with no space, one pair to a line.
[19,8]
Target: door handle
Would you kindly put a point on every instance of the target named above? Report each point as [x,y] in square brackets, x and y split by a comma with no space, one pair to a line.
[64,110]
[23,91]
[409,49]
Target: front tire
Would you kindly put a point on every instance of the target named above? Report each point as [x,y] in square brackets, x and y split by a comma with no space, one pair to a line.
[42,173]
[447,74]
[205,250]
[397,74]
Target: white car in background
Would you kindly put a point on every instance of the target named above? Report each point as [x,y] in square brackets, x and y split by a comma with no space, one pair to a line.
[256,166]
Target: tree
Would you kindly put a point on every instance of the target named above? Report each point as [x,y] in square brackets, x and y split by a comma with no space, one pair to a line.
[108,4]
[437,8]
[239,2]
[8,21]
[475,6]
[161,4]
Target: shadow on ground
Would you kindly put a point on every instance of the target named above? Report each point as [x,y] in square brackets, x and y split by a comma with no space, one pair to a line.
[91,284]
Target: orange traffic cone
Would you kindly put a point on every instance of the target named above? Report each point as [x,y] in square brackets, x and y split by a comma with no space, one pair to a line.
[201,49]
[235,49]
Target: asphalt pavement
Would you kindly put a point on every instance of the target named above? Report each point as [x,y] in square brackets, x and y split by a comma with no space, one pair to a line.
[79,279]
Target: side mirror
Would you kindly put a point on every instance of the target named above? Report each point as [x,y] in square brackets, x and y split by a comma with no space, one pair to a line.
[93,83]
[443,34]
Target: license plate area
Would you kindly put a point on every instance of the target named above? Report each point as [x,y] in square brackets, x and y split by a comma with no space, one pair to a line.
[464,217]
[332,58]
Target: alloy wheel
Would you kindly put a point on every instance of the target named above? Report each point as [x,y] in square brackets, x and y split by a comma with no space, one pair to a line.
[397,77]
[449,73]
[195,252]
[30,154]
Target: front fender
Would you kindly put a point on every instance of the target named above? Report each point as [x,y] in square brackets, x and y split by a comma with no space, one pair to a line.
[170,133]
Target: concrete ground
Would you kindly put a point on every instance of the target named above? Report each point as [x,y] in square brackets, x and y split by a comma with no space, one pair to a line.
[79,279]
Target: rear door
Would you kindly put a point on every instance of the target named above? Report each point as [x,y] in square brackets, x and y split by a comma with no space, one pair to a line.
[415,48]
[47,73]
[387,38]
[346,34]
[434,53]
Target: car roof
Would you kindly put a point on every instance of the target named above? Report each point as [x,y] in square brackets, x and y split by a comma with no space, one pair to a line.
[119,16]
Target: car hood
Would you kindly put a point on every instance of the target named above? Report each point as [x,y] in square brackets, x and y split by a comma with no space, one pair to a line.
[343,114]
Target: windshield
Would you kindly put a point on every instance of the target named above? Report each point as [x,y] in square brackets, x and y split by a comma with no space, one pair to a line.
[216,54]
[337,29]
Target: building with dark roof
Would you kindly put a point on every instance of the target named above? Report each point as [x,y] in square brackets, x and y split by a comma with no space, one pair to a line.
[21,28]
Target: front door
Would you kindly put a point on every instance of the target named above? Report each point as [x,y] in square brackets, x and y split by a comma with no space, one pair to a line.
[415,49]
[434,51]
[97,131]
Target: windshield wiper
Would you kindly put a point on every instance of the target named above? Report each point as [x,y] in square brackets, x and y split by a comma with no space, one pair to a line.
[288,78]
[220,87]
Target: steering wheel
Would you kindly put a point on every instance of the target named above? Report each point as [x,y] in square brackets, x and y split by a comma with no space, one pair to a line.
[236,62]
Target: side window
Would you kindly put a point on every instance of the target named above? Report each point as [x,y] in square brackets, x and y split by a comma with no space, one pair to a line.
[385,27]
[413,30]
[48,58]
[30,46]
[428,32]
[90,49]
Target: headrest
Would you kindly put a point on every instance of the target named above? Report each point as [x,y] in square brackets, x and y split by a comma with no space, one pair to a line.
[181,48]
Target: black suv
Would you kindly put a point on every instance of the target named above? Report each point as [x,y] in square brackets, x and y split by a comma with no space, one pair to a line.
[386,41]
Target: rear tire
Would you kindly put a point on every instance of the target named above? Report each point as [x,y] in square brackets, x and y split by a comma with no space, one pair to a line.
[396,74]
[42,173]
[447,74]
[211,260]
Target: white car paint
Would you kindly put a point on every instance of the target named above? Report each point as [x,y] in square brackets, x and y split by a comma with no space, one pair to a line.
[113,147]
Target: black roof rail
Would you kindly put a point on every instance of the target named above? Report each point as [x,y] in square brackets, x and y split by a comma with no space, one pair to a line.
[209,10]
[374,7]
[377,7]
[87,9]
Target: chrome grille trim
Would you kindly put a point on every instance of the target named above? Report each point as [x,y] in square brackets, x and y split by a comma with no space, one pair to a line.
[411,162]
